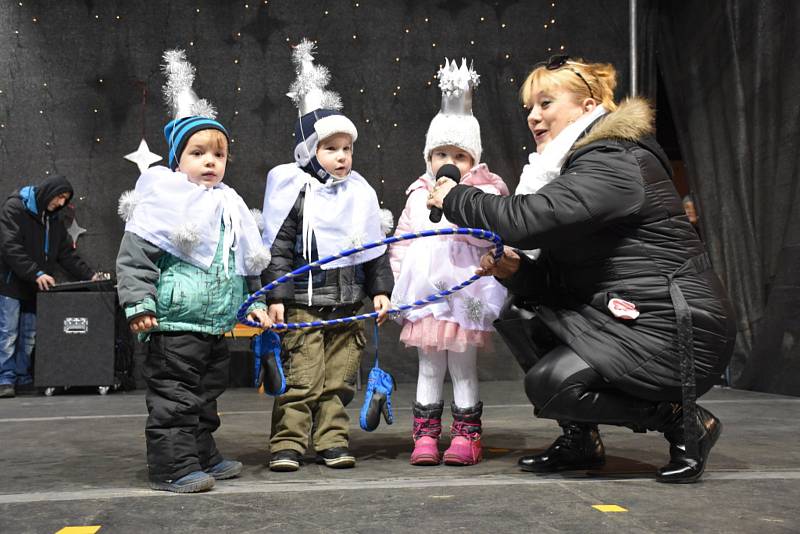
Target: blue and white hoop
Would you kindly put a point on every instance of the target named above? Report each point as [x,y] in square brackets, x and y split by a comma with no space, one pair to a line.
[486,235]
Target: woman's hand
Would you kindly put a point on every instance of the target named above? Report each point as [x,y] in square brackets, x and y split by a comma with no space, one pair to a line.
[505,267]
[436,197]
[382,305]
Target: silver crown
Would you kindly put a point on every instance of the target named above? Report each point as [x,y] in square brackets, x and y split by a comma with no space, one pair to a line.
[457,84]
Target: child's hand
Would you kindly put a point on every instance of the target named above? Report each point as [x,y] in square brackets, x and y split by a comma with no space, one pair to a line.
[276,313]
[382,305]
[143,323]
[261,317]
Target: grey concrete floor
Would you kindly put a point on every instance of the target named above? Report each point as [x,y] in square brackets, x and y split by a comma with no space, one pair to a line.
[77,459]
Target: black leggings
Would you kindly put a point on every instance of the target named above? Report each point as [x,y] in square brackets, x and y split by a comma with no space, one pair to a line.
[563,386]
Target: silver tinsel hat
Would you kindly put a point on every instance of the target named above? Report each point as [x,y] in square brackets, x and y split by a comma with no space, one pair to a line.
[190,113]
[308,90]
[178,92]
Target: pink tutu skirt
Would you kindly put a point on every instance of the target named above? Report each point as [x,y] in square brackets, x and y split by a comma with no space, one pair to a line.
[430,334]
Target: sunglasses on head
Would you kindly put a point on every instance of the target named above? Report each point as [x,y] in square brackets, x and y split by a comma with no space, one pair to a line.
[561,61]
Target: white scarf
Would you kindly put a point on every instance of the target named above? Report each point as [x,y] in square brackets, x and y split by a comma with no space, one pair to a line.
[543,168]
[340,214]
[183,218]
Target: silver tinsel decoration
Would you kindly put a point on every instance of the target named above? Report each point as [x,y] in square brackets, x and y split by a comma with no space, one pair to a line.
[356,240]
[186,237]
[453,80]
[178,93]
[387,221]
[127,203]
[440,286]
[259,217]
[308,91]
[258,260]
[473,309]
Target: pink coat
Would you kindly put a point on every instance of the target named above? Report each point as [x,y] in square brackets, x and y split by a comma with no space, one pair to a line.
[426,265]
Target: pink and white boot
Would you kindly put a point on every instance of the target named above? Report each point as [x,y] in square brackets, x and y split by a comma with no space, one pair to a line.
[427,429]
[465,446]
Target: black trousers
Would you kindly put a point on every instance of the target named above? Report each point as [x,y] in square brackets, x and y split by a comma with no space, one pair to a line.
[185,372]
[563,386]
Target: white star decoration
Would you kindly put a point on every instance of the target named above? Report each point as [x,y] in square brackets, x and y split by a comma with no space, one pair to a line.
[75,231]
[143,158]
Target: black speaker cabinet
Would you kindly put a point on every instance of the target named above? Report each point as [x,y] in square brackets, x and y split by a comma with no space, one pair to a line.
[75,339]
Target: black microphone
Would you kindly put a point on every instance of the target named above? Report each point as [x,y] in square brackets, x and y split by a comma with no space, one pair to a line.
[447,171]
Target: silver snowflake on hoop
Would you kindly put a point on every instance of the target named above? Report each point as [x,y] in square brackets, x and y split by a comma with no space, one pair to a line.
[357,240]
[440,286]
[473,309]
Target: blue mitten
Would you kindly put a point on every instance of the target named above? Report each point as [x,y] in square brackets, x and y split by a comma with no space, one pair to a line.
[267,347]
[378,399]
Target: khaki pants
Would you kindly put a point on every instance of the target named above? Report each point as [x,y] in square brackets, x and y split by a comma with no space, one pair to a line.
[320,366]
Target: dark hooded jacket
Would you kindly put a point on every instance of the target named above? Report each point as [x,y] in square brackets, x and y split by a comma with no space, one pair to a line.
[612,225]
[33,240]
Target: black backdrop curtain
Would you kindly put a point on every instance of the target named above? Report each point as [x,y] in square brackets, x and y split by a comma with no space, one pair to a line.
[732,81]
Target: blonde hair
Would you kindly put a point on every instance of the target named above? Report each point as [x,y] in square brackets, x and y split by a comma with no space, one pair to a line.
[574,76]
[212,137]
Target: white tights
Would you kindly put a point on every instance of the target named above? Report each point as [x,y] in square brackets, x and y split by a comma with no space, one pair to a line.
[463,368]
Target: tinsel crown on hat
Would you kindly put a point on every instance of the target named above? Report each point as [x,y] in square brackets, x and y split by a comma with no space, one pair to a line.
[308,90]
[457,84]
[455,125]
[178,92]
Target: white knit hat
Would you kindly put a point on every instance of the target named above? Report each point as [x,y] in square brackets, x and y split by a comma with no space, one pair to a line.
[454,124]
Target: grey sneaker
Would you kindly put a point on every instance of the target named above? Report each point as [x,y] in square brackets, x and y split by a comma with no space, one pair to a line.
[225,469]
[285,460]
[191,483]
[336,457]
[7,391]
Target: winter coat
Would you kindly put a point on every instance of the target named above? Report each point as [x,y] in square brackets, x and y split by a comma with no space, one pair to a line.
[424,266]
[33,240]
[182,296]
[332,287]
[612,225]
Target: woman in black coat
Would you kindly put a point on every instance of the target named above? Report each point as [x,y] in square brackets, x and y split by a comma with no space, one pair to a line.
[623,281]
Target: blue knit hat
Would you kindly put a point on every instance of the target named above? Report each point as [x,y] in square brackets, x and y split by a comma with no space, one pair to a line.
[312,128]
[179,131]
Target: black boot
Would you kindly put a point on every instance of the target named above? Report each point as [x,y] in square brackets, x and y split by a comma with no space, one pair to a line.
[683,468]
[579,447]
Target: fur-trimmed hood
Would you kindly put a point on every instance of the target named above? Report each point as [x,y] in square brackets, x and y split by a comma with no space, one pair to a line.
[633,120]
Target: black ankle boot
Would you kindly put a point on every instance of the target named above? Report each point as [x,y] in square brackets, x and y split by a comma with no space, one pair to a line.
[682,468]
[579,447]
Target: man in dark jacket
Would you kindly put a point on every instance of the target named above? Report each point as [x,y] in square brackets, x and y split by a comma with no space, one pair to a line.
[33,240]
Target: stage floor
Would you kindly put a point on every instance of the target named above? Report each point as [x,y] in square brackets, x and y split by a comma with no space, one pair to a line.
[77,459]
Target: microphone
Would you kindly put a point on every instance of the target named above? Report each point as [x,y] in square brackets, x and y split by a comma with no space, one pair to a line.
[447,171]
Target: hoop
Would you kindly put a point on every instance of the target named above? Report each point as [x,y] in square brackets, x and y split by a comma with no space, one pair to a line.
[486,235]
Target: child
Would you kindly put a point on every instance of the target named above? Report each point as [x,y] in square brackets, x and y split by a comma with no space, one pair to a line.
[314,208]
[447,333]
[189,242]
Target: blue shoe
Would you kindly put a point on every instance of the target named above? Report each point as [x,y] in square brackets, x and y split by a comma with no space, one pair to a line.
[225,469]
[191,483]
